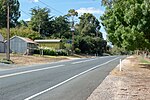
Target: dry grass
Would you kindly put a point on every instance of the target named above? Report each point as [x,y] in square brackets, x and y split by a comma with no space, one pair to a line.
[28,60]
[32,59]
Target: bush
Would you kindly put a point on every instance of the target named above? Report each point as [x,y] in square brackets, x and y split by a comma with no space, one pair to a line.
[77,51]
[49,52]
[52,52]
[62,52]
[5,61]
[37,51]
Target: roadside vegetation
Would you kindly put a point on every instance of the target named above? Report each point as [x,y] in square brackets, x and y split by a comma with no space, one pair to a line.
[144,60]
[87,36]
[126,23]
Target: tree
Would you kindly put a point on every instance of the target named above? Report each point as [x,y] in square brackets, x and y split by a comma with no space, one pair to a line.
[61,28]
[127,23]
[41,21]
[107,2]
[21,31]
[90,45]
[14,12]
[89,25]
[72,13]
[22,23]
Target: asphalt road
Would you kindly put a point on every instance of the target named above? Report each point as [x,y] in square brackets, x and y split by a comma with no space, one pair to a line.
[69,80]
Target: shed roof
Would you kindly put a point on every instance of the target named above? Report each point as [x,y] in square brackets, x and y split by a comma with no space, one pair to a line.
[25,39]
[51,40]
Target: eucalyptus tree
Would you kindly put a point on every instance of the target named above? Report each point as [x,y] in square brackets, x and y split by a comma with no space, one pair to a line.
[72,13]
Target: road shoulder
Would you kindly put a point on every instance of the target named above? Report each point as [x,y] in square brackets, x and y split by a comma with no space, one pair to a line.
[132,83]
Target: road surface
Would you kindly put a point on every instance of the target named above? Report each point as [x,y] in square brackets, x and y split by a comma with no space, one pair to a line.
[69,80]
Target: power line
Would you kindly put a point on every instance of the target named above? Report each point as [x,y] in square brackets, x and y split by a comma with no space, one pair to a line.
[25,13]
[50,7]
[38,6]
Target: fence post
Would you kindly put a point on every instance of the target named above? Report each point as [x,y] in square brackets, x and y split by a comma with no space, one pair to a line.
[120,65]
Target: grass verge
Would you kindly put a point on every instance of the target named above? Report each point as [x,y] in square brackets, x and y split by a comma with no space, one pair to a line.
[143,60]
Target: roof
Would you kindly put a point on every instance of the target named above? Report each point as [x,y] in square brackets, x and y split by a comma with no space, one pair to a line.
[25,39]
[51,40]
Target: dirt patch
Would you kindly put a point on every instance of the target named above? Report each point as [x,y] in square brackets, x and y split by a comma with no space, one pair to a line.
[28,60]
[132,83]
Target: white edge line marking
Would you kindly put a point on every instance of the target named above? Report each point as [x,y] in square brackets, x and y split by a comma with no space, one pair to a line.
[34,65]
[57,85]
[90,60]
[82,61]
[24,72]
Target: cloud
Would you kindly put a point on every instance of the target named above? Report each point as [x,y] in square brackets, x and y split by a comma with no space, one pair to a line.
[34,0]
[27,19]
[91,10]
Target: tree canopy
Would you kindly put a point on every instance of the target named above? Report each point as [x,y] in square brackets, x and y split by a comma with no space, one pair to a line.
[41,21]
[127,23]
[21,31]
[89,25]
[61,28]
[14,12]
[72,13]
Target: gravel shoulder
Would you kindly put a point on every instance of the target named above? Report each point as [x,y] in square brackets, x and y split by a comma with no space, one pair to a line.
[132,83]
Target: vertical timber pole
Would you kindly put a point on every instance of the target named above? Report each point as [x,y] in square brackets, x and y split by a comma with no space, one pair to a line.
[8,33]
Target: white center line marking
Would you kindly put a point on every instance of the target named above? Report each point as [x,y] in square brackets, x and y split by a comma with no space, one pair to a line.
[57,85]
[29,71]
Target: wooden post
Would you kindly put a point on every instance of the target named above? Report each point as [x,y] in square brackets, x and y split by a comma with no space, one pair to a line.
[8,34]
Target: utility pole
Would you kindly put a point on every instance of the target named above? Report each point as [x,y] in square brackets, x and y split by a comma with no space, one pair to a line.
[8,33]
[72,30]
[72,13]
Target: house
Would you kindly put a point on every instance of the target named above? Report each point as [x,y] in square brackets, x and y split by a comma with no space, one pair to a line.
[55,43]
[22,45]
[2,44]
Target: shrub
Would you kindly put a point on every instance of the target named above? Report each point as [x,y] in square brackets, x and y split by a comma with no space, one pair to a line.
[49,52]
[5,61]
[62,52]
[77,51]
[52,52]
